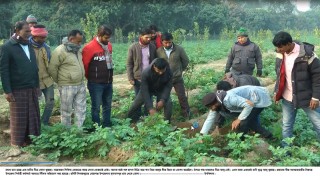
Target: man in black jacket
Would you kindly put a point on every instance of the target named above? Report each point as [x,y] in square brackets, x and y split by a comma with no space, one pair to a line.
[156,80]
[20,81]
[298,82]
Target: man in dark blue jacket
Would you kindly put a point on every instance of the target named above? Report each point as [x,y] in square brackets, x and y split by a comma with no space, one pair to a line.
[156,80]
[20,81]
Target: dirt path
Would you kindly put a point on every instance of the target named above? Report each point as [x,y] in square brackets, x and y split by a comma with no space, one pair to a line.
[121,84]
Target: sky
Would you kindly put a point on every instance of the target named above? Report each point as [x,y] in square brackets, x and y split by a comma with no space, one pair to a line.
[303,5]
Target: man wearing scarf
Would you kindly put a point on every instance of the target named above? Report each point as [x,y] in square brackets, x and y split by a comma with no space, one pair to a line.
[66,69]
[140,55]
[20,82]
[243,104]
[98,65]
[43,55]
[244,55]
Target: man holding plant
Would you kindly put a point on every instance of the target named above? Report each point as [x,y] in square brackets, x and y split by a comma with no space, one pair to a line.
[156,80]
[244,104]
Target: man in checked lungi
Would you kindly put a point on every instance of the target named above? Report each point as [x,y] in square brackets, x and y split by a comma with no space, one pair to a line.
[20,81]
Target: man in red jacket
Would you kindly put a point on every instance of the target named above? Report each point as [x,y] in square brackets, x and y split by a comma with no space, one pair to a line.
[98,65]
[155,36]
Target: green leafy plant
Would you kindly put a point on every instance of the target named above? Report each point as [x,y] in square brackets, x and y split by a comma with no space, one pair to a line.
[292,155]
[157,145]
[238,147]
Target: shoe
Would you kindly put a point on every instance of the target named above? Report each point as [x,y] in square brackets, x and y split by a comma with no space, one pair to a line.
[14,151]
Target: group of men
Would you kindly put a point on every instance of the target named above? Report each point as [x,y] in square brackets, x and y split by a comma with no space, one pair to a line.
[155,65]
[28,69]
[153,71]
[297,86]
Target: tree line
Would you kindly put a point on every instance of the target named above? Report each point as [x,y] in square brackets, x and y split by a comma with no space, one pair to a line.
[127,16]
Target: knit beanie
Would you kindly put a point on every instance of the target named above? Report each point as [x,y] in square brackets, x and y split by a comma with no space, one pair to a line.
[31,19]
[242,32]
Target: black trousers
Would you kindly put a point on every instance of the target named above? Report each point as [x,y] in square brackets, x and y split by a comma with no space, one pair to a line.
[135,109]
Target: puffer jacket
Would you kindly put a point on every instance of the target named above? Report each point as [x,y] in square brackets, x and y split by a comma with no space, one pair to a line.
[243,59]
[94,62]
[305,76]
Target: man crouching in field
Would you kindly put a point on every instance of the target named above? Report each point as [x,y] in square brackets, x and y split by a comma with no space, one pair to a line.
[156,80]
[244,103]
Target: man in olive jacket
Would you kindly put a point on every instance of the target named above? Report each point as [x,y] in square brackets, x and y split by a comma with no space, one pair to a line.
[178,61]
[66,69]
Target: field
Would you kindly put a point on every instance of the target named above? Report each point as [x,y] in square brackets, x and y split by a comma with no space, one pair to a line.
[152,142]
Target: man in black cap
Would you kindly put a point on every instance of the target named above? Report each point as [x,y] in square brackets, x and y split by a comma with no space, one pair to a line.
[243,103]
[231,81]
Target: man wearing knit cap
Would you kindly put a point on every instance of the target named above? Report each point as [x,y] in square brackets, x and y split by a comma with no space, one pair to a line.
[43,55]
[243,104]
[244,55]
[31,20]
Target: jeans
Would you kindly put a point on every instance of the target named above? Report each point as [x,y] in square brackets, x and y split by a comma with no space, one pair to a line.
[252,122]
[49,99]
[101,94]
[289,115]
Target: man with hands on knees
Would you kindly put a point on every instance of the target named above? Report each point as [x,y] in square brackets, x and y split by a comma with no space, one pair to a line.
[156,80]
[244,104]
